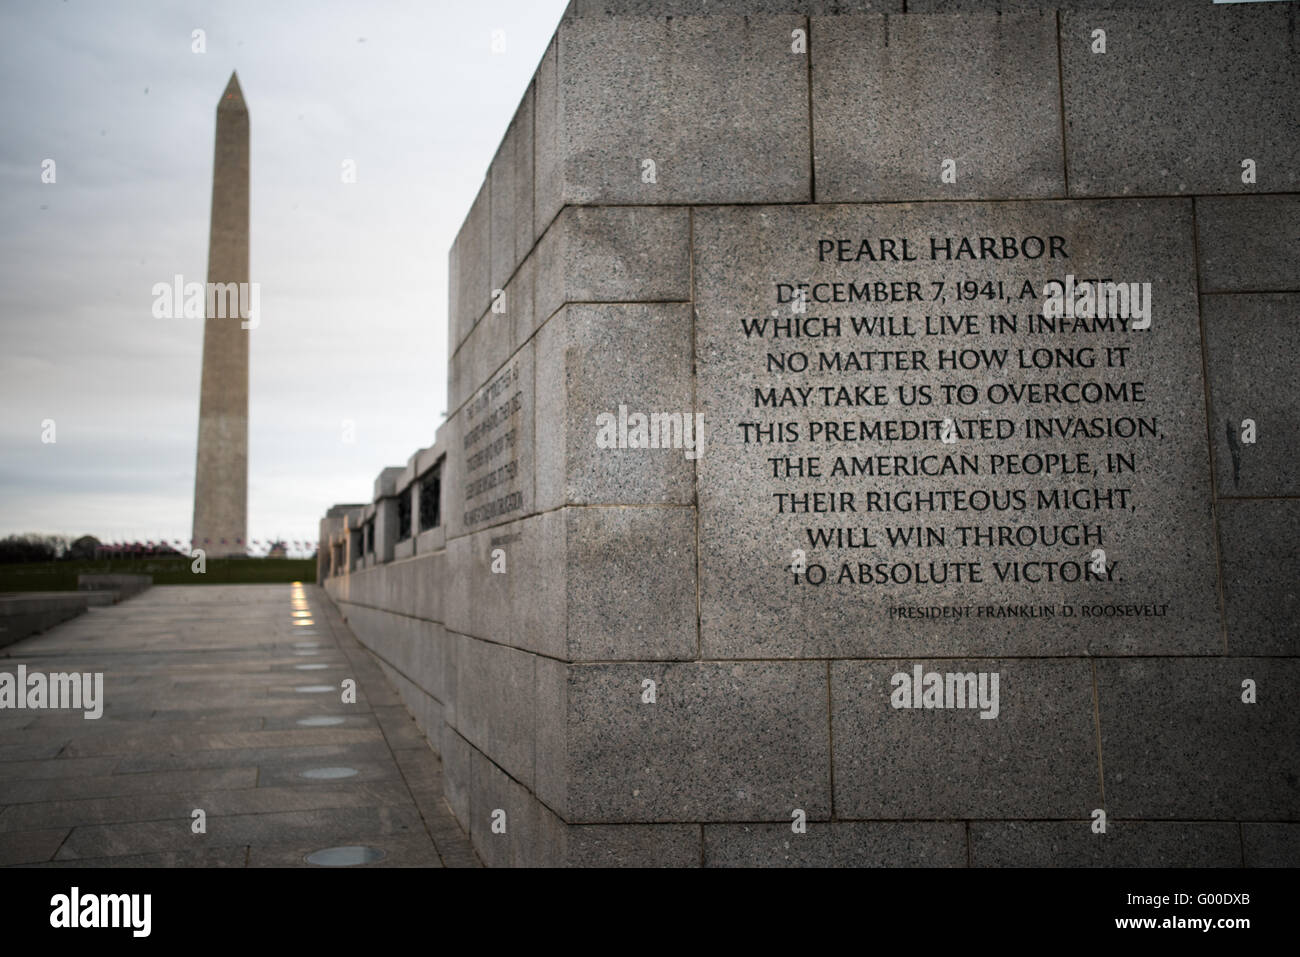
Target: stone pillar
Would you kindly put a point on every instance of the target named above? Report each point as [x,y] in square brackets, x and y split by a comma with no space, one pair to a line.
[386,513]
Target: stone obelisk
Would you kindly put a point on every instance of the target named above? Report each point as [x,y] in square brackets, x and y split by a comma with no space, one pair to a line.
[221,472]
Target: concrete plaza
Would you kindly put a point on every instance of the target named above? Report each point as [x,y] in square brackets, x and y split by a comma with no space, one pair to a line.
[224,699]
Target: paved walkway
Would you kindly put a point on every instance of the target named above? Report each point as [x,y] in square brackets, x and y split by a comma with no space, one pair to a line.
[209,705]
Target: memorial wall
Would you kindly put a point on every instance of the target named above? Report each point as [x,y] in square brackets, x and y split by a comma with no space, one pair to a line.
[869,443]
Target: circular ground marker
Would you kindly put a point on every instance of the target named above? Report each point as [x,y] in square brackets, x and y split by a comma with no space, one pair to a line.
[314,689]
[329,774]
[346,856]
[320,721]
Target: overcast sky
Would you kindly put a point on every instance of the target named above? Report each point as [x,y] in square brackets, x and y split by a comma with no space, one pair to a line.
[353,277]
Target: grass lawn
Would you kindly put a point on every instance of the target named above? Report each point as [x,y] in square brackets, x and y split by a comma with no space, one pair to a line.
[62,576]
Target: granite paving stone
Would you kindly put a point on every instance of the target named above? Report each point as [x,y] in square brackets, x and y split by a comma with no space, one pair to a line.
[1124,844]
[201,709]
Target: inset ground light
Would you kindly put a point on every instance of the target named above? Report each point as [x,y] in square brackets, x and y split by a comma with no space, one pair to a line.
[329,774]
[345,856]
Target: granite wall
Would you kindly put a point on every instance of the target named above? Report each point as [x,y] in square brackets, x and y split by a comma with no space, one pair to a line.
[703,652]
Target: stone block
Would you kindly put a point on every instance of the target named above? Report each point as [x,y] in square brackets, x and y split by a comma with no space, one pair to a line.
[510,181]
[426,459]
[495,339]
[886,121]
[1248,243]
[632,845]
[631,583]
[537,594]
[529,829]
[521,300]
[469,283]
[516,596]
[457,764]
[459,580]
[386,481]
[1179,742]
[430,540]
[745,8]
[1136,115]
[448,667]
[718,104]
[424,582]
[385,529]
[837,844]
[724,741]
[889,589]
[1036,758]
[602,370]
[1125,844]
[1261,575]
[1271,845]
[614,254]
[577,584]
[1251,343]
[496,704]
[550,732]
[1018,6]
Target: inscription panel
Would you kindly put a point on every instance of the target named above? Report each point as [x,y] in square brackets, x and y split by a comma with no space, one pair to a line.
[491,457]
[910,451]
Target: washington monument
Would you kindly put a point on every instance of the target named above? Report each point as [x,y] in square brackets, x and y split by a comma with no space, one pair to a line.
[221,472]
